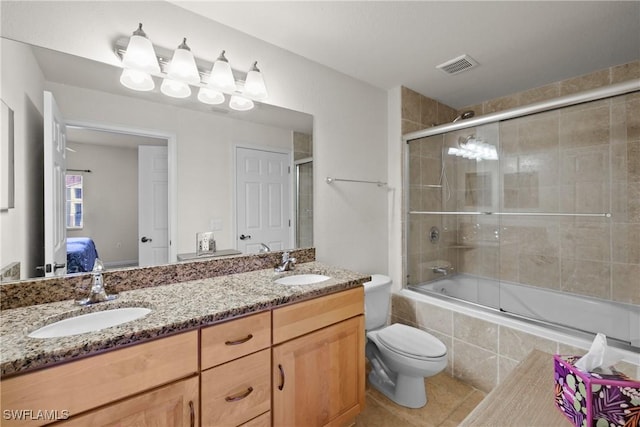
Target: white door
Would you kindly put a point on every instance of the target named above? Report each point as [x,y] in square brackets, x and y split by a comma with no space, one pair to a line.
[263,206]
[55,231]
[153,212]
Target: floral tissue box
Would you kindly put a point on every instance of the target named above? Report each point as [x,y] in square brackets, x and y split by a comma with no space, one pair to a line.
[595,400]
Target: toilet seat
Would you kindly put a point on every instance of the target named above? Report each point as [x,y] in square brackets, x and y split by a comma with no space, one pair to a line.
[411,342]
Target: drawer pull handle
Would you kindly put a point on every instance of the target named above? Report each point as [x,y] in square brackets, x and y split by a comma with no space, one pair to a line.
[192,415]
[281,386]
[239,396]
[240,341]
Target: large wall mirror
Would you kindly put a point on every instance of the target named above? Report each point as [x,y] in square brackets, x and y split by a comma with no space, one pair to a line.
[116,139]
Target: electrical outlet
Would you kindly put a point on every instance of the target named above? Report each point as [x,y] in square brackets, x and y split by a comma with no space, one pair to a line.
[205,242]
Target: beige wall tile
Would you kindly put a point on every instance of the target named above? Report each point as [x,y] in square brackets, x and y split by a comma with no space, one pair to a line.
[590,278]
[428,111]
[585,125]
[625,243]
[403,308]
[475,331]
[542,238]
[410,105]
[539,133]
[624,72]
[539,270]
[586,241]
[626,283]
[475,366]
[633,161]
[585,164]
[633,118]
[433,317]
[538,94]
[500,104]
[410,126]
[446,114]
[586,82]
[516,345]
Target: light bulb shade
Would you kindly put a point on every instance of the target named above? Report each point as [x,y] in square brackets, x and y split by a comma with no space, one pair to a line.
[175,88]
[221,76]
[210,96]
[254,86]
[140,54]
[136,80]
[240,103]
[183,66]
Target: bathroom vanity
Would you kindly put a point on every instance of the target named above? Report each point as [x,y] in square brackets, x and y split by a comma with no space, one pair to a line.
[232,350]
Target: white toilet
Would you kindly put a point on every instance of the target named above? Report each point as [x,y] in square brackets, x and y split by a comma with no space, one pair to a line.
[401,356]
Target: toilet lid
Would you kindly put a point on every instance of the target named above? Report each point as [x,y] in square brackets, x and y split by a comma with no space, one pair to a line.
[411,342]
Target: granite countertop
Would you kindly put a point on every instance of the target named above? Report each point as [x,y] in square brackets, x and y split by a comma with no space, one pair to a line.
[175,308]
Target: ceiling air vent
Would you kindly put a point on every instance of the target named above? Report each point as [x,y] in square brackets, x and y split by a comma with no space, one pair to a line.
[458,65]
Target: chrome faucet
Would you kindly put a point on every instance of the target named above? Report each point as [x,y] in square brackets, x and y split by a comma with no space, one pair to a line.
[441,270]
[97,292]
[287,264]
[264,248]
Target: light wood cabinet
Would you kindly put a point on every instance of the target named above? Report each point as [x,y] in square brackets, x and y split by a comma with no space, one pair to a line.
[175,405]
[297,365]
[318,377]
[73,388]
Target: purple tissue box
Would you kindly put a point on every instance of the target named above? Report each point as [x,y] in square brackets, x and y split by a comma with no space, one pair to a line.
[595,400]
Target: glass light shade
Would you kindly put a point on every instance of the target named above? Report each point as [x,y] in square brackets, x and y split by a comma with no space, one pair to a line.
[210,96]
[140,54]
[221,76]
[136,80]
[254,86]
[183,65]
[240,103]
[175,88]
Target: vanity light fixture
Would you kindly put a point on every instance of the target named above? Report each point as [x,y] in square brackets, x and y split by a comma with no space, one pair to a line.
[139,62]
[254,86]
[184,70]
[175,88]
[210,96]
[221,76]
[240,103]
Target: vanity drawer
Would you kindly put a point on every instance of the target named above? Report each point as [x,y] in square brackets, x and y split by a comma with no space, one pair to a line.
[94,381]
[237,391]
[263,420]
[231,340]
[301,318]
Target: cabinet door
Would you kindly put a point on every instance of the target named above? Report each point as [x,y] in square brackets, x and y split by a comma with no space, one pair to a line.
[175,405]
[318,379]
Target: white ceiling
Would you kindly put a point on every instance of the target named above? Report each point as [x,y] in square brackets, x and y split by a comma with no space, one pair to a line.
[519,44]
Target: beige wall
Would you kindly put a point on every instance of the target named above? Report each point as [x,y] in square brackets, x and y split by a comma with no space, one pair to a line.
[581,159]
[110,200]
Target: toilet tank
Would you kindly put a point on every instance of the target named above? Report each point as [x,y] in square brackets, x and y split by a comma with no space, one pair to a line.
[377,295]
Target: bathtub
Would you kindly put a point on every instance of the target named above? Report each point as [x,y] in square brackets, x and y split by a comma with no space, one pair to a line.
[617,321]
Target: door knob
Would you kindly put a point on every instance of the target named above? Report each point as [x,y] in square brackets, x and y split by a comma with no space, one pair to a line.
[145,239]
[243,237]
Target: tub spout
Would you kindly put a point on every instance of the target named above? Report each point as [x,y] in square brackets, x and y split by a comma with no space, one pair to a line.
[441,270]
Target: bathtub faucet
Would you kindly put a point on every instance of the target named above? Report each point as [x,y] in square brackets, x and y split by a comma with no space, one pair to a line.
[441,270]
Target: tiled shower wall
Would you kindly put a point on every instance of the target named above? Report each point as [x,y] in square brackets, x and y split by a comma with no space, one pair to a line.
[581,159]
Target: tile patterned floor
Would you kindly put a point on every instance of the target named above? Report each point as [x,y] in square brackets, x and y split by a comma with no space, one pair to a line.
[449,401]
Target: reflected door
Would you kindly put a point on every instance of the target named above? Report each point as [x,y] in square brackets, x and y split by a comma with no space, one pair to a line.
[153,218]
[55,233]
[263,205]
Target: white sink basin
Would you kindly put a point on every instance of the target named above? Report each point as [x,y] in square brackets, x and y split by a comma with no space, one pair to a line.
[302,279]
[90,322]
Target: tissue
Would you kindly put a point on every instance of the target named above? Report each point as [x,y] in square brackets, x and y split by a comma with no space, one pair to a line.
[600,357]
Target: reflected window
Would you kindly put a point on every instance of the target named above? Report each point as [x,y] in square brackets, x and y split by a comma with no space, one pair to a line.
[74,201]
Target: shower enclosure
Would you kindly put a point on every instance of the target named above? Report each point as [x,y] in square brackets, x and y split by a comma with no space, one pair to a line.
[533,212]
